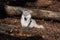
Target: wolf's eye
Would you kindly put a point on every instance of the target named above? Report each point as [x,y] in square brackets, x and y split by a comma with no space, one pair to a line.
[25,18]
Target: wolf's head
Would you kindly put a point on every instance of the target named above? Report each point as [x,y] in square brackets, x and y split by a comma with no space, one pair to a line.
[27,14]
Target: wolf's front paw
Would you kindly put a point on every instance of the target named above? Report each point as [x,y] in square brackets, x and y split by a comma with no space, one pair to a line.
[40,26]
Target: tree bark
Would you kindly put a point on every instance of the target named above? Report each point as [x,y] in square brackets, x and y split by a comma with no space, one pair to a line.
[36,13]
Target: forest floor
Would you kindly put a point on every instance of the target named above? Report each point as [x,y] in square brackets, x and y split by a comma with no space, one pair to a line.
[51,30]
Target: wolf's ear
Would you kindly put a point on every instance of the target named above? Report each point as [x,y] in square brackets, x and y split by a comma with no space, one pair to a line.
[23,11]
[30,11]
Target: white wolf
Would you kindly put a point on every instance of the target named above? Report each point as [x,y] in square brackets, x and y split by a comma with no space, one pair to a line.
[27,21]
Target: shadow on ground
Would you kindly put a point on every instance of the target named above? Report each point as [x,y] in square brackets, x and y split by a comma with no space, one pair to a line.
[8,37]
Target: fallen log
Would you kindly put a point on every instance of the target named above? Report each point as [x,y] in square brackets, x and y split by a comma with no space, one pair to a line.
[36,13]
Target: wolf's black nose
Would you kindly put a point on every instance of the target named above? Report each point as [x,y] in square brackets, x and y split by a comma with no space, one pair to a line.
[25,19]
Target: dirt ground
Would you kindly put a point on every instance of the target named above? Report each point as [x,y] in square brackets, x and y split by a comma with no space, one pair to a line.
[50,32]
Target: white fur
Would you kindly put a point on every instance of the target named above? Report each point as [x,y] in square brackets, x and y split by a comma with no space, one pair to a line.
[25,23]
